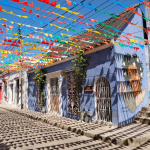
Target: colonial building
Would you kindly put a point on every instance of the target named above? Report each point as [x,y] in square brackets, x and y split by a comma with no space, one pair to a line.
[116,73]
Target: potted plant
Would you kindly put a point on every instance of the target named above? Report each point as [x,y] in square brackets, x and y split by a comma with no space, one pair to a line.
[43,102]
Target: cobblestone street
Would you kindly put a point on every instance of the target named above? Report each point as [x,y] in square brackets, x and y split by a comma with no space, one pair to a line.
[20,133]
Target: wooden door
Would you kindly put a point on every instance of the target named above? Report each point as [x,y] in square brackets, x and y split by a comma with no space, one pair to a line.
[54,95]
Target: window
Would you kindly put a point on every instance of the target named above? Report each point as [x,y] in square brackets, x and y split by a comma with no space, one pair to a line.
[54,86]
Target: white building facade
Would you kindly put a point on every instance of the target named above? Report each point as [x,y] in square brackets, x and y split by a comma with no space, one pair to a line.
[14,89]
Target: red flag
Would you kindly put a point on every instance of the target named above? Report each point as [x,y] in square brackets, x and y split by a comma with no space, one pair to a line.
[15,1]
[9,40]
[44,1]
[53,3]
[24,3]
[30,11]
[1,9]
[14,41]
[5,25]
[38,15]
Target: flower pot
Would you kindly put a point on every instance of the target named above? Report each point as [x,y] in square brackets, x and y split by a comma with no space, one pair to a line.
[81,115]
[43,109]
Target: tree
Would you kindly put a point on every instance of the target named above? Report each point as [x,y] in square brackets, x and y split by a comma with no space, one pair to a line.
[79,65]
[40,81]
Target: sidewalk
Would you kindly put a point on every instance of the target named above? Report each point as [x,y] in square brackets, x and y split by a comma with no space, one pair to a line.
[131,135]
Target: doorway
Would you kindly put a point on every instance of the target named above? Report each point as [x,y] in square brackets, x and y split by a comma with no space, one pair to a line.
[103,100]
[54,95]
[72,97]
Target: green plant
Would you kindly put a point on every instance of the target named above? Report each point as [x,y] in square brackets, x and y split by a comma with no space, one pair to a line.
[40,78]
[79,65]
[40,81]
[83,109]
[43,99]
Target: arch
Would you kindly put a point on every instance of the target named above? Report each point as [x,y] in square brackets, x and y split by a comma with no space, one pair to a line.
[102,100]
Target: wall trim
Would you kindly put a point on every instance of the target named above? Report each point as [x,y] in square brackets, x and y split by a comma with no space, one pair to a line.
[85,53]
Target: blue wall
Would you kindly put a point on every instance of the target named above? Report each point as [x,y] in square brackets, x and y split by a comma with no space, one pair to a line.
[125,116]
[100,64]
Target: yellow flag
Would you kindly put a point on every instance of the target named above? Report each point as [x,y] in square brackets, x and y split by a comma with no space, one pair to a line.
[15,34]
[26,43]
[64,8]
[11,12]
[18,15]
[25,16]
[46,34]
[34,45]
[58,6]
[50,35]
[4,10]
[30,44]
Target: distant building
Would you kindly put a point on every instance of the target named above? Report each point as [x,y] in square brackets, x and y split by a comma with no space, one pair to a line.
[11,93]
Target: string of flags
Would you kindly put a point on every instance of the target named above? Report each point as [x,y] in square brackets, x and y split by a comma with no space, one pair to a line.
[58,46]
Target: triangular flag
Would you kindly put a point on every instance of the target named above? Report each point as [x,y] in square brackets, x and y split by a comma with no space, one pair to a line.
[16,1]
[5,25]
[24,3]
[30,11]
[31,4]
[44,1]
[30,44]
[24,9]
[58,6]
[53,3]
[31,36]
[1,9]
[68,2]
[38,15]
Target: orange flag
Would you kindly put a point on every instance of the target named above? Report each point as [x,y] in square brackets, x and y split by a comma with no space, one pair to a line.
[11,27]
[68,2]
[24,9]
[31,36]
[31,4]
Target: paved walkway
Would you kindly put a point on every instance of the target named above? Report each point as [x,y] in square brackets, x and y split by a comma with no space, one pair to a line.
[132,135]
[22,133]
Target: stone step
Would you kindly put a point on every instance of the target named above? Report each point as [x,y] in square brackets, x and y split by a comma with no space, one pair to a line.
[135,135]
[144,114]
[144,120]
[146,108]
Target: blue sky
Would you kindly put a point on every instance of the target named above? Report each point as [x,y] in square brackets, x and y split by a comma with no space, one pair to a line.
[104,5]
